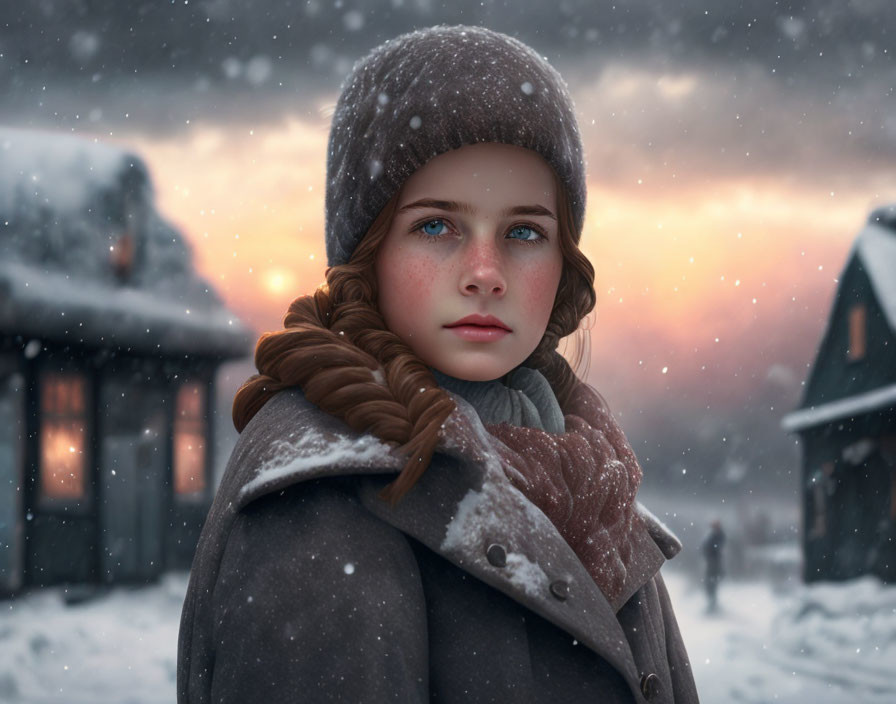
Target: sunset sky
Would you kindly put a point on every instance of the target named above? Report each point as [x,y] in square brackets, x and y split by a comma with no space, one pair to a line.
[733,155]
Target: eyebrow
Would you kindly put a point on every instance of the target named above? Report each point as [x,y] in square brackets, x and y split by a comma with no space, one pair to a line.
[454,206]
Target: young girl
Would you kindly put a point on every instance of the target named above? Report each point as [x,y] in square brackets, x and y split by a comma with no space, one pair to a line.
[425,503]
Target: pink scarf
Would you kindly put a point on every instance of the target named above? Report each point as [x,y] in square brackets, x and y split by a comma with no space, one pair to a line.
[584,480]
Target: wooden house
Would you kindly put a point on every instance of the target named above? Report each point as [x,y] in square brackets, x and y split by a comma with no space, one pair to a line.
[109,343]
[847,419]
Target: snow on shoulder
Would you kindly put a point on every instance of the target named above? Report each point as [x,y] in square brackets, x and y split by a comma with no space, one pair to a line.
[313,454]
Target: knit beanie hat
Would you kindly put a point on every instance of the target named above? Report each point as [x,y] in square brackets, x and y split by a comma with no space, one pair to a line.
[428,92]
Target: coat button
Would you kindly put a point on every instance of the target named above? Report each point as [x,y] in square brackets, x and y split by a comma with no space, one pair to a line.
[650,686]
[560,589]
[496,555]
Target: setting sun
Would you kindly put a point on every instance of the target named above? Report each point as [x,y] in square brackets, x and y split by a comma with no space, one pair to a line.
[276,281]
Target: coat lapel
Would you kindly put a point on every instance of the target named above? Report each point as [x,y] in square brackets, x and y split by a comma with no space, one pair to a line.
[462,505]
[461,526]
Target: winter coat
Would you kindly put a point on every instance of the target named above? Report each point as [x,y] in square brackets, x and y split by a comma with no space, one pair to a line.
[306,587]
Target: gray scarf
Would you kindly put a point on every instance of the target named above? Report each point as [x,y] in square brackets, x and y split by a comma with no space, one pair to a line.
[525,398]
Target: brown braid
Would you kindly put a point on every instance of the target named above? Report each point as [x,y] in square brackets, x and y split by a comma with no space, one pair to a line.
[334,340]
[575,299]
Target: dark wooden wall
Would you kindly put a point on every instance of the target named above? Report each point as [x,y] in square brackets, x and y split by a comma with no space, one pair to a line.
[833,374]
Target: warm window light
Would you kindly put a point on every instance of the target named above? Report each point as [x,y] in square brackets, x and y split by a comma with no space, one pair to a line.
[62,442]
[121,256]
[189,440]
[857,331]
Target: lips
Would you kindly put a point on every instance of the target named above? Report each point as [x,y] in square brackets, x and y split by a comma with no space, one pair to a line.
[482,321]
[480,328]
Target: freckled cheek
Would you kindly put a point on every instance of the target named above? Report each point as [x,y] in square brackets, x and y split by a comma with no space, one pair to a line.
[420,275]
[414,280]
[540,290]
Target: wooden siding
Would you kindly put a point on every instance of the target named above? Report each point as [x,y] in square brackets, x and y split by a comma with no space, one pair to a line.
[834,375]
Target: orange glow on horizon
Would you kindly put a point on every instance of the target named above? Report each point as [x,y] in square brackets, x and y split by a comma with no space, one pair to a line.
[250,202]
[685,270]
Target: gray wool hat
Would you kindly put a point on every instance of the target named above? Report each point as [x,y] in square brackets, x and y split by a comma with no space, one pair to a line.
[428,92]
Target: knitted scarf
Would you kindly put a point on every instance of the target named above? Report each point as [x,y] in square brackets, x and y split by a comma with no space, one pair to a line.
[584,479]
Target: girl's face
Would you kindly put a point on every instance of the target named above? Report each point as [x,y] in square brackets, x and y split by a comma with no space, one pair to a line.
[474,235]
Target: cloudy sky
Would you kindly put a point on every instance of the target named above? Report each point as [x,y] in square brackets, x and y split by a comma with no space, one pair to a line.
[734,150]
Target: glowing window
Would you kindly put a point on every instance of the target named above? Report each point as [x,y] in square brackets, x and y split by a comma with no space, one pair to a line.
[121,255]
[189,440]
[857,332]
[62,436]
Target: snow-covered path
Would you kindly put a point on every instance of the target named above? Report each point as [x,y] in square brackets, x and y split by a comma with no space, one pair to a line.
[825,644]
[116,649]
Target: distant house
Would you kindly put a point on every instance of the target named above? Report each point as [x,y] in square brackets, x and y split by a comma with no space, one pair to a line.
[847,419]
[109,343]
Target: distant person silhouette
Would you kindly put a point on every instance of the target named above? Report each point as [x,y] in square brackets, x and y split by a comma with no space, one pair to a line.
[712,547]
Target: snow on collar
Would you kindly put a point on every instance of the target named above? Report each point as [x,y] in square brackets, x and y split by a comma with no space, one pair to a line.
[313,453]
[498,508]
[308,443]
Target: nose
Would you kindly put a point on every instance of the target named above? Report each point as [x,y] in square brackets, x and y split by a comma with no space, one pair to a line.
[483,271]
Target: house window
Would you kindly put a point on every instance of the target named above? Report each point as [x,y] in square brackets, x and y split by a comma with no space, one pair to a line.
[62,436]
[121,255]
[856,332]
[189,440]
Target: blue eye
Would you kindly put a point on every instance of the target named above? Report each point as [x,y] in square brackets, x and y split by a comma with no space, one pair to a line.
[526,233]
[433,227]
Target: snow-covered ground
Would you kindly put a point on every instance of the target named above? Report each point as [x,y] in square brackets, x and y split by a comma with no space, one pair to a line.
[820,644]
[120,648]
[825,644]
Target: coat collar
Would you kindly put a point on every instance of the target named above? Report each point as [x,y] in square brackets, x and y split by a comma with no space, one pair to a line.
[462,505]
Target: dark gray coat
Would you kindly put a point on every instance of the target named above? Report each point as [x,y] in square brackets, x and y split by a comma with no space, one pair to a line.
[306,587]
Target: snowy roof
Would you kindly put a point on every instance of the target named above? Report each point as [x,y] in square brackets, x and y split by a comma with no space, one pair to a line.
[884,397]
[876,247]
[69,208]
[54,305]
[62,170]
